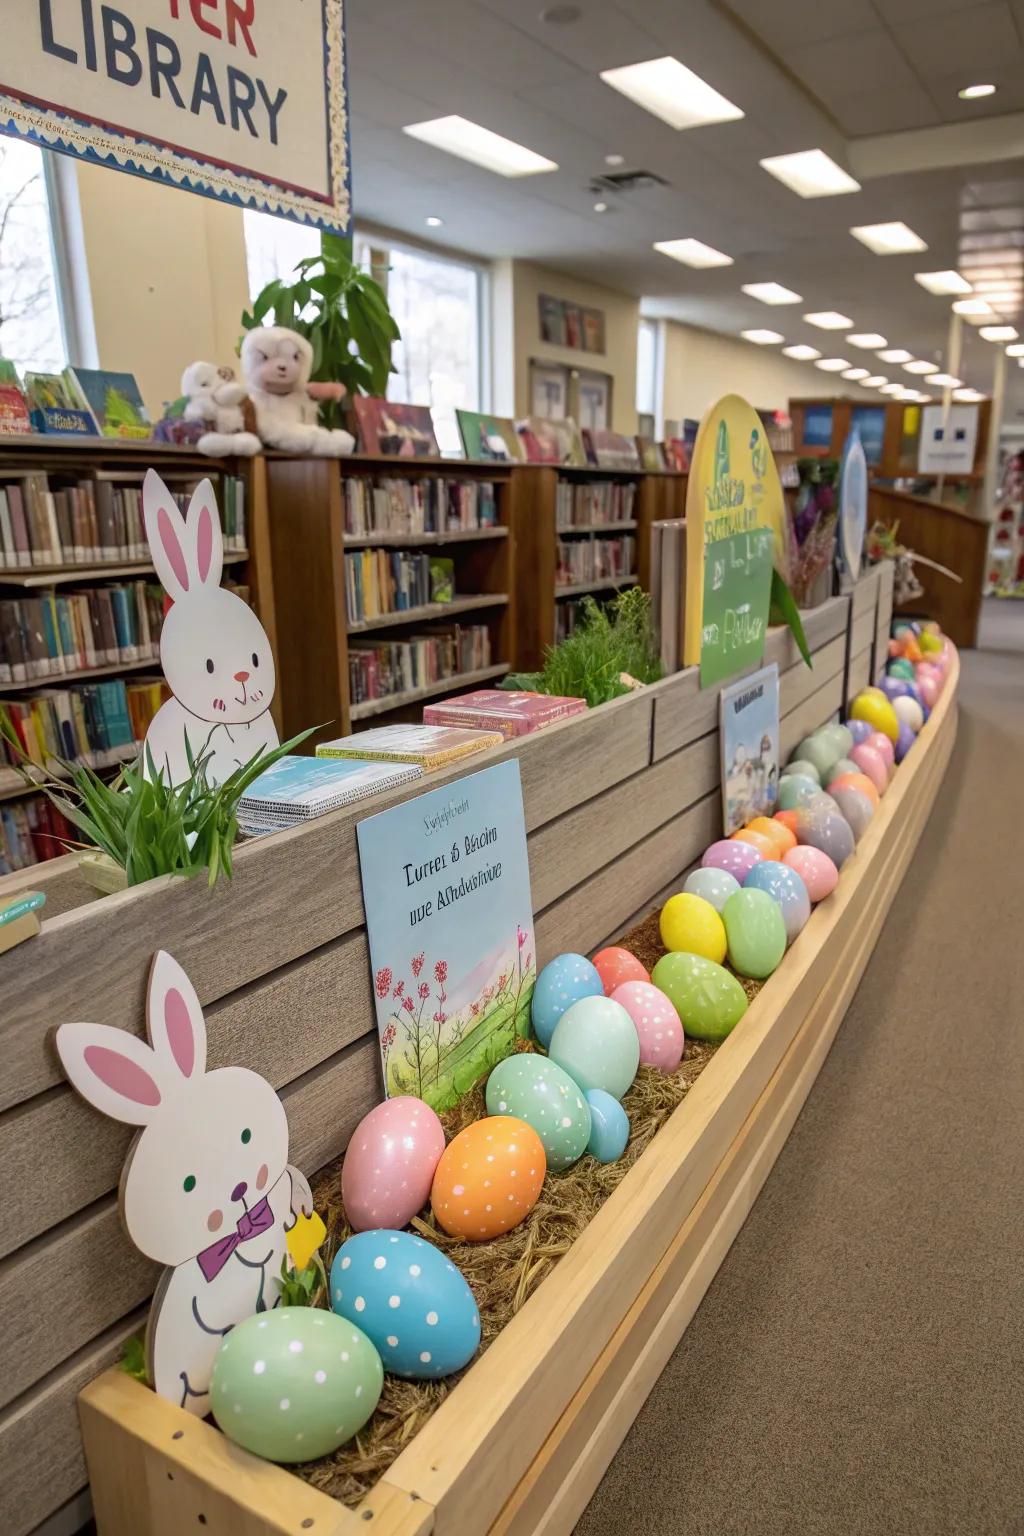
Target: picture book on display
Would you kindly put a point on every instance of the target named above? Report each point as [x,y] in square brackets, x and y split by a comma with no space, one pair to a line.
[750,748]
[19,918]
[432,746]
[551,442]
[494,709]
[295,789]
[14,417]
[610,450]
[113,400]
[55,406]
[489,437]
[400,431]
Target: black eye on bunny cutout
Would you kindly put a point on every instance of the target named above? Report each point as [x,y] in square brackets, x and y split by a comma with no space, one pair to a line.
[190,1183]
[246,1137]
[209,664]
[255,659]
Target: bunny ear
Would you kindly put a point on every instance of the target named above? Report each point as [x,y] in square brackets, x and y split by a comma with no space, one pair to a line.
[204,535]
[114,1070]
[174,1018]
[168,538]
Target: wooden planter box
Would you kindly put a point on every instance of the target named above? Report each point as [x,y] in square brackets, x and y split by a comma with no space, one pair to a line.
[522,1441]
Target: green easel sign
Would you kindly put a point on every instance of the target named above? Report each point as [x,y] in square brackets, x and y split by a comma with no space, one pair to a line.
[737,594]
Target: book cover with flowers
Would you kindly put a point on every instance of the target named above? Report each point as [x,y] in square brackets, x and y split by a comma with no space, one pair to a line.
[446,887]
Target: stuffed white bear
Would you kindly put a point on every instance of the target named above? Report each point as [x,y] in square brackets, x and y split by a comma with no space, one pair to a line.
[277,364]
[215,397]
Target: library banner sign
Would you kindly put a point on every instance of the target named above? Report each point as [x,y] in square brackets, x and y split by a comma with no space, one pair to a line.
[243,100]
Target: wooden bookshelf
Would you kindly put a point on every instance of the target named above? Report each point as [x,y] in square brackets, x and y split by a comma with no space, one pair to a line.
[151,664]
[308,544]
[59,575]
[659,495]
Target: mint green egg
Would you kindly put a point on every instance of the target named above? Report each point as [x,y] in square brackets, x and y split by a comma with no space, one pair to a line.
[821,750]
[294,1384]
[536,1089]
[756,931]
[596,1042]
[844,765]
[806,770]
[838,734]
[795,789]
[708,998]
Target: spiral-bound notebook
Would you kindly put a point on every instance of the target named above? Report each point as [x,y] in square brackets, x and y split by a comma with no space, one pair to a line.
[295,789]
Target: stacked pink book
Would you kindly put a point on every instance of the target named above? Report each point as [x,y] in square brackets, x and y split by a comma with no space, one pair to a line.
[513,714]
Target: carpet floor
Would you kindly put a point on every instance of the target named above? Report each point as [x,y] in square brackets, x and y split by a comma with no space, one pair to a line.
[857,1365]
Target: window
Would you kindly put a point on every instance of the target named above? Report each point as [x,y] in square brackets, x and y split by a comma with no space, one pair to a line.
[273,246]
[31,333]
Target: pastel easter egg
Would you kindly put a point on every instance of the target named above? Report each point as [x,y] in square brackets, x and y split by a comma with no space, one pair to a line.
[872,765]
[815,869]
[562,982]
[294,1383]
[787,819]
[390,1162]
[609,1126]
[901,669]
[616,965]
[764,845]
[778,835]
[872,706]
[827,831]
[885,748]
[912,649]
[909,712]
[756,931]
[904,742]
[691,923]
[412,1303]
[806,770]
[794,790]
[596,1042]
[785,886]
[737,859]
[894,687]
[708,999]
[656,1022]
[838,734]
[489,1178]
[714,885]
[819,749]
[857,811]
[928,688]
[860,730]
[858,781]
[930,643]
[535,1089]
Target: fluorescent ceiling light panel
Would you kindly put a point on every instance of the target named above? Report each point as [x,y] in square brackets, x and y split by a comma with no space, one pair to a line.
[810,173]
[855,373]
[947,380]
[693,253]
[972,307]
[920,366]
[672,92]
[967,396]
[1017,350]
[896,355]
[832,364]
[998,333]
[875,381]
[829,320]
[802,353]
[772,293]
[763,338]
[458,136]
[974,92]
[892,389]
[888,239]
[942,282]
[870,341]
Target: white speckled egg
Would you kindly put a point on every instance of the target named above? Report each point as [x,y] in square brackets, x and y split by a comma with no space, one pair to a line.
[536,1090]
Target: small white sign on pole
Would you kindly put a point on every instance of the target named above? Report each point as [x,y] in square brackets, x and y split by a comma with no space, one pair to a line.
[947,446]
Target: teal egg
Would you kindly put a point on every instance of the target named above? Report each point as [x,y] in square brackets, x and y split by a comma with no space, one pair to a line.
[609,1126]
[535,1089]
[596,1042]
[711,884]
[294,1384]
[901,668]
[795,789]
[806,770]
[708,999]
[756,931]
[562,982]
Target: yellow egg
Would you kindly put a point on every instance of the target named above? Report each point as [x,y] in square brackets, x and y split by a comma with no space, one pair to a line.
[489,1178]
[691,924]
[872,706]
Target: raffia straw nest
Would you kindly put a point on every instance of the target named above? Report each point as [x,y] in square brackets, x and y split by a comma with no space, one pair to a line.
[504,1272]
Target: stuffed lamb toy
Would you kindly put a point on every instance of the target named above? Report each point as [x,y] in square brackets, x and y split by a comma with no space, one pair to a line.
[214,651]
[277,364]
[206,1189]
[215,398]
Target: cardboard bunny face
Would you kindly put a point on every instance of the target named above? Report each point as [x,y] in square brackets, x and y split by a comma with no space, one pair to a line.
[212,1145]
[214,651]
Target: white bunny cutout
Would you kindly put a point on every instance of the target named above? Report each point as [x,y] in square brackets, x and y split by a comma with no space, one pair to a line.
[206,1188]
[214,651]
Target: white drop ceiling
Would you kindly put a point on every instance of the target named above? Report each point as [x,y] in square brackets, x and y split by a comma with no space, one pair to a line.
[806,73]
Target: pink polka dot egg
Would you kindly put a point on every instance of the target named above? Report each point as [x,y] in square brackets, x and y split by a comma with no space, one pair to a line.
[657,1024]
[390,1163]
[489,1178]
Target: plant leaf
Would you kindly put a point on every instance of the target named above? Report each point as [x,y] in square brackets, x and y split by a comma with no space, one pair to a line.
[784,604]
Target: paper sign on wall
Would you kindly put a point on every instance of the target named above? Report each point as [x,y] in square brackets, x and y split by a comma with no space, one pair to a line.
[446,887]
[735,529]
[242,100]
[749,736]
[853,504]
[948,440]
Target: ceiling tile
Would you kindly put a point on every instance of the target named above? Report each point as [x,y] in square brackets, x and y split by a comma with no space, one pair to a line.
[830,68]
[892,12]
[787,24]
[885,111]
[963,40]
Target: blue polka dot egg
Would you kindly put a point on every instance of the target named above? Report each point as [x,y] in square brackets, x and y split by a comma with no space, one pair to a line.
[562,982]
[409,1300]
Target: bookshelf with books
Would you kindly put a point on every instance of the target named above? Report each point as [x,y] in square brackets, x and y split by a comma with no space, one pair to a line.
[394,585]
[585,532]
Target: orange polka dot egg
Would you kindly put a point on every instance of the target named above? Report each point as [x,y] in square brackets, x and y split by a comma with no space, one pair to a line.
[489,1178]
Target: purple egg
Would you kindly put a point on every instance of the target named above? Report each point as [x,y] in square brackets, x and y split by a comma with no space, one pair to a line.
[737,859]
[894,688]
[860,730]
[904,742]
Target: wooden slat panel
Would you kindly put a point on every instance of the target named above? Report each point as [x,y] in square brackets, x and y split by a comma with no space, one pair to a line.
[864,595]
[814,711]
[800,682]
[859,675]
[883,618]
[862,633]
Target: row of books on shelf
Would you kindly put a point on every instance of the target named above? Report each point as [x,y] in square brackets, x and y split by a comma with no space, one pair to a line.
[79,402]
[99,723]
[50,633]
[32,831]
[418,506]
[380,581]
[91,522]
[595,559]
[594,501]
[380,670]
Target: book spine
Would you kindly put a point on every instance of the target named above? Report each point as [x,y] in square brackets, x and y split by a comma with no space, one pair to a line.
[19,524]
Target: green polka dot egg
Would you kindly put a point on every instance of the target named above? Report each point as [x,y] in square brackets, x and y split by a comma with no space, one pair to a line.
[537,1090]
[294,1384]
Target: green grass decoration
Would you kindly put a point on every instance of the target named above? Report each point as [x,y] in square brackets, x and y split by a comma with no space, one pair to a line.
[610,639]
[133,1359]
[302,1287]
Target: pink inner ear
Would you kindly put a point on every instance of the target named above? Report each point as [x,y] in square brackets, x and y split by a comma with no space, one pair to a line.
[205,542]
[179,1032]
[172,549]
[122,1074]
